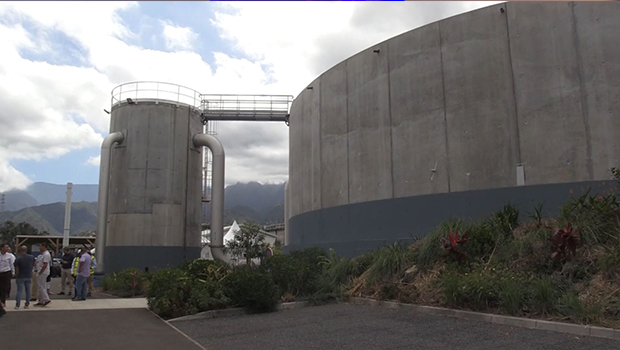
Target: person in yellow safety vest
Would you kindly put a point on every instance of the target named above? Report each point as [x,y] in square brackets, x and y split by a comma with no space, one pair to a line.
[74,268]
[93,265]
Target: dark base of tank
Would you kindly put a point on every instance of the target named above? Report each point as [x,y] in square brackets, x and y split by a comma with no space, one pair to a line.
[357,228]
[118,258]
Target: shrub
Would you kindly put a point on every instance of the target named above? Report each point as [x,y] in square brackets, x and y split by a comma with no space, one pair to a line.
[596,217]
[537,215]
[512,295]
[478,290]
[485,287]
[609,262]
[173,293]
[336,271]
[206,269]
[429,249]
[251,289]
[389,262]
[564,242]
[544,294]
[452,245]
[505,220]
[127,283]
[570,305]
[297,273]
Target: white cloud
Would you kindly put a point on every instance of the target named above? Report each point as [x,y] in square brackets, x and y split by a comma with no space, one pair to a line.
[11,178]
[177,37]
[51,109]
[302,40]
[94,160]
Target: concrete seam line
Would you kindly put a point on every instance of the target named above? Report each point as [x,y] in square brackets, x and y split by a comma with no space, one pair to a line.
[561,327]
[178,330]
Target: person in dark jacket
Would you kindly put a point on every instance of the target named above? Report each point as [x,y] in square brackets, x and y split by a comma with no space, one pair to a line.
[23,276]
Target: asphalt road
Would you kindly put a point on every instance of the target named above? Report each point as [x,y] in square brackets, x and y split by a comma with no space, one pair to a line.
[366,327]
[132,329]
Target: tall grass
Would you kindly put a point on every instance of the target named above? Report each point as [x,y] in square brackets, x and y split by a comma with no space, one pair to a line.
[570,305]
[544,294]
[597,218]
[389,261]
[512,295]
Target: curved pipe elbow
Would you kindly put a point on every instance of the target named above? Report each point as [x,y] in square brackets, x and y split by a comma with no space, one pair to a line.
[217,193]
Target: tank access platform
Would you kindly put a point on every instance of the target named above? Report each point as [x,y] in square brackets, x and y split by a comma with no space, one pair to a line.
[274,108]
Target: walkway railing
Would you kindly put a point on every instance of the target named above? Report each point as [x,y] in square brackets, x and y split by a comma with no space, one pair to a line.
[140,91]
[246,107]
[212,107]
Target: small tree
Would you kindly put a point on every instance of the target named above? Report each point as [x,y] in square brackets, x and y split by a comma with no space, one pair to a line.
[9,230]
[249,241]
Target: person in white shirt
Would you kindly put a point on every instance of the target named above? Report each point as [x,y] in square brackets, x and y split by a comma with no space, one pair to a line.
[7,271]
[44,261]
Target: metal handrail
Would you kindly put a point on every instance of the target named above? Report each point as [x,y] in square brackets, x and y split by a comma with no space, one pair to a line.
[155,91]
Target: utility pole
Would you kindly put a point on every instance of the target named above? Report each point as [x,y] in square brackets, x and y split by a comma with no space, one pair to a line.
[65,236]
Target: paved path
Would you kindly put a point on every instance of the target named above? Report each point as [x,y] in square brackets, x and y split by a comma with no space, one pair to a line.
[55,285]
[364,327]
[89,304]
[133,329]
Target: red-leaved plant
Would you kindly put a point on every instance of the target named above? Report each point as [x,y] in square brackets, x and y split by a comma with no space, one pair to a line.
[564,241]
[451,244]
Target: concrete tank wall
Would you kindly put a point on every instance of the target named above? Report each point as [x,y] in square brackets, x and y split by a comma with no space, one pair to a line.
[155,186]
[456,106]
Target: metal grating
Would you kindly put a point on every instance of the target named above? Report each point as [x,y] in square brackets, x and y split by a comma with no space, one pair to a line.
[246,107]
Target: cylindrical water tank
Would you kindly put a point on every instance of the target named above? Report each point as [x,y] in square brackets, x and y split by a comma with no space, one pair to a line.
[154,201]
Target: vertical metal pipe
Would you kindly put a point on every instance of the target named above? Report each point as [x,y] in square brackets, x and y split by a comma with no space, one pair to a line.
[285,243]
[217,192]
[102,203]
[67,229]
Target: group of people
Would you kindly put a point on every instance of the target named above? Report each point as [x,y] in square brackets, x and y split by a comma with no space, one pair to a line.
[33,275]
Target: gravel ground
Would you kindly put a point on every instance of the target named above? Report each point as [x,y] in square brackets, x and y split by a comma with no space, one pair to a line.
[357,327]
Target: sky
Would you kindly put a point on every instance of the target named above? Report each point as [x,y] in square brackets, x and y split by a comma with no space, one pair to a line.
[59,62]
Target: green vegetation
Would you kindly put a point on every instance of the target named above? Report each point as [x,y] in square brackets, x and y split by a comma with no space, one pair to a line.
[127,283]
[249,242]
[564,268]
[9,230]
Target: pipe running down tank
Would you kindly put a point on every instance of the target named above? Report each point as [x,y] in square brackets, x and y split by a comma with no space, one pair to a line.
[217,192]
[102,206]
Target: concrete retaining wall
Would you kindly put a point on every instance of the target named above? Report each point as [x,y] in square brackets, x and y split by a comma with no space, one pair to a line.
[457,106]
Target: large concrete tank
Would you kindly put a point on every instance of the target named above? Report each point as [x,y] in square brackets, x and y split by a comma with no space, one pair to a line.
[154,197]
[517,102]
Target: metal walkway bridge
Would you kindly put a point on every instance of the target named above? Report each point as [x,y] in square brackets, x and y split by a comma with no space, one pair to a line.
[246,107]
[213,107]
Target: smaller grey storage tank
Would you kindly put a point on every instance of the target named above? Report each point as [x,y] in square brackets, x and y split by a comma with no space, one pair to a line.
[154,194]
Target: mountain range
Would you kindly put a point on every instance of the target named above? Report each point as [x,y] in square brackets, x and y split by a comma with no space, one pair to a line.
[42,205]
